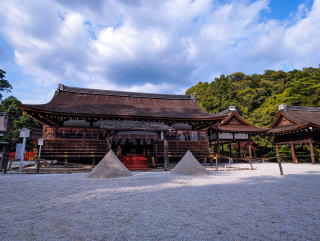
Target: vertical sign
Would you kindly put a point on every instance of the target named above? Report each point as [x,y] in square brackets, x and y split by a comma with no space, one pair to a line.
[24,133]
[40,143]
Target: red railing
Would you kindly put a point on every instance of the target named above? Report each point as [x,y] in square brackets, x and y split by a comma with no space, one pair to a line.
[28,155]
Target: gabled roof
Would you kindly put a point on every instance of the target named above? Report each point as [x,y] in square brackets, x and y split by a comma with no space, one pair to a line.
[291,118]
[122,93]
[119,104]
[233,122]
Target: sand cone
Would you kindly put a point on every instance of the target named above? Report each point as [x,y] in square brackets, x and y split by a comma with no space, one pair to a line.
[110,166]
[189,165]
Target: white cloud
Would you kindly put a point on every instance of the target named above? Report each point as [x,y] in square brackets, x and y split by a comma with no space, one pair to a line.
[153,46]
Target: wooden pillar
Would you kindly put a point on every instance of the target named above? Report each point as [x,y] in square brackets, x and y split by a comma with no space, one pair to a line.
[218,153]
[108,142]
[153,162]
[279,159]
[250,156]
[312,155]
[230,149]
[93,161]
[211,154]
[239,149]
[165,154]
[66,162]
[38,165]
[250,150]
[156,151]
[293,154]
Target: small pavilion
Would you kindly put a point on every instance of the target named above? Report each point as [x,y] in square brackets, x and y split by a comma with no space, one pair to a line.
[233,129]
[296,125]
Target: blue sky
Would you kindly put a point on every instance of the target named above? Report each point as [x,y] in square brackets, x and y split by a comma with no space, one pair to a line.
[149,45]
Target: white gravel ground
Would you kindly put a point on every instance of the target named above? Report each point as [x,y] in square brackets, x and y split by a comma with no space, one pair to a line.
[232,205]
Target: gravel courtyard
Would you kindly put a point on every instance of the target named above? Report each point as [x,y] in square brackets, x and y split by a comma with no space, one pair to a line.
[230,205]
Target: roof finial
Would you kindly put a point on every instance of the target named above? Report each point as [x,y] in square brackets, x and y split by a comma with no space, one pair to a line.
[60,86]
[282,106]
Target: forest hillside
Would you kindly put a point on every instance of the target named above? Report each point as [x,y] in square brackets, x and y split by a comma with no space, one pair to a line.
[257,96]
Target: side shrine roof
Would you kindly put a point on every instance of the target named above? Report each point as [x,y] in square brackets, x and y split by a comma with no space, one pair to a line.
[119,104]
[291,118]
[233,122]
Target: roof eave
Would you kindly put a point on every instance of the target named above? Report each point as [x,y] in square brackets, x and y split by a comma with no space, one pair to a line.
[28,108]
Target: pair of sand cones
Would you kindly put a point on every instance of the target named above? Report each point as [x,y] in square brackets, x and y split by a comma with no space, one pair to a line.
[110,166]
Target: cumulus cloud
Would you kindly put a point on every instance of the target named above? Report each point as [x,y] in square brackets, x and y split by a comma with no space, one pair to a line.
[153,46]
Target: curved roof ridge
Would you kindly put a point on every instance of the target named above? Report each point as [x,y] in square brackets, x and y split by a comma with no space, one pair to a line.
[79,90]
[294,116]
[303,108]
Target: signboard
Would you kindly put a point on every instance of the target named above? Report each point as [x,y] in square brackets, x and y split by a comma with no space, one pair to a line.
[40,142]
[19,149]
[241,136]
[226,136]
[24,133]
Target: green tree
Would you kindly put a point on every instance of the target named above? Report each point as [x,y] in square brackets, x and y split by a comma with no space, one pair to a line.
[16,119]
[10,107]
[258,96]
[5,86]
[25,122]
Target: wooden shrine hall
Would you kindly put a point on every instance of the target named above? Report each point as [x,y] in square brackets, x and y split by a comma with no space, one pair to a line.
[83,124]
[234,132]
[296,125]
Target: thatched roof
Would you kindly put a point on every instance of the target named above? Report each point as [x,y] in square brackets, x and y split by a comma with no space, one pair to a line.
[293,118]
[118,104]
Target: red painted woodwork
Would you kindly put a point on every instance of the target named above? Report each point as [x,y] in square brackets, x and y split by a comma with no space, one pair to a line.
[135,162]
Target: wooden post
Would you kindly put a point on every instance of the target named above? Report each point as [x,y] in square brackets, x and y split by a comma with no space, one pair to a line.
[38,165]
[239,149]
[279,159]
[293,154]
[165,154]
[230,150]
[109,140]
[211,154]
[93,162]
[218,153]
[153,161]
[1,163]
[108,143]
[250,162]
[10,164]
[312,155]
[66,162]
[250,151]
[156,151]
